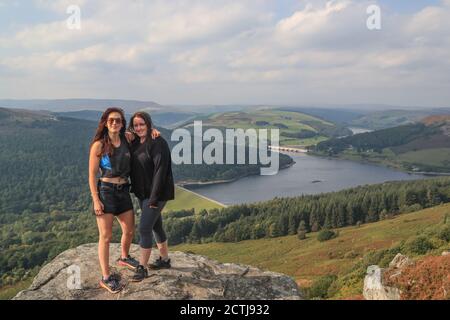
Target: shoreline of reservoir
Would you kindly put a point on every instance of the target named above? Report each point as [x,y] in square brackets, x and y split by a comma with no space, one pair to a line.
[185,184]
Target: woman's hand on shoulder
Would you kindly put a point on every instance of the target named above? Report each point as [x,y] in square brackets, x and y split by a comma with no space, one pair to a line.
[155,133]
[129,136]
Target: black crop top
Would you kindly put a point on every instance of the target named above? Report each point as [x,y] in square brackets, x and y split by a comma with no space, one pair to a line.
[118,164]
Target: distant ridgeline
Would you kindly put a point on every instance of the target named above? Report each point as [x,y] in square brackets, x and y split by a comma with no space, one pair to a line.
[44,161]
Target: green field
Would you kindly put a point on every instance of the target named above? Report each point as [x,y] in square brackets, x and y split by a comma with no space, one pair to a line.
[185,199]
[385,158]
[288,123]
[307,260]
[293,120]
[439,157]
[285,141]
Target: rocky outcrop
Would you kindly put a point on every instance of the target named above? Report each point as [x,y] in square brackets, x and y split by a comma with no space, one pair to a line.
[374,289]
[74,274]
[423,279]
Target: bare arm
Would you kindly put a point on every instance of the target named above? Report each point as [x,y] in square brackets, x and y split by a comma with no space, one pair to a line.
[130,136]
[94,162]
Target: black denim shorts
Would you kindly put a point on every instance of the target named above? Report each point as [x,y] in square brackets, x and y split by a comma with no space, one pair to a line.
[116,198]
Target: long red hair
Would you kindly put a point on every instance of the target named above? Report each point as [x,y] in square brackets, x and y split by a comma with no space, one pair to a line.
[101,133]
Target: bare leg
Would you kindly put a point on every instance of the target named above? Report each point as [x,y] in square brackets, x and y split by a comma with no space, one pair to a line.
[104,223]
[126,221]
[145,256]
[163,250]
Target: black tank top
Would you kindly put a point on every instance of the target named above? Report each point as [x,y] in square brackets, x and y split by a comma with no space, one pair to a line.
[118,164]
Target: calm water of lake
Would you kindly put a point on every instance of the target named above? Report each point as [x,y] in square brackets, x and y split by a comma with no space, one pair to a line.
[309,175]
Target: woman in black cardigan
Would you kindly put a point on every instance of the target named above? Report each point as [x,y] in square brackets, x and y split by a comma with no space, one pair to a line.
[152,183]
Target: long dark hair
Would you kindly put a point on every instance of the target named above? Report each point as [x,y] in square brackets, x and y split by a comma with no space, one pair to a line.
[101,133]
[147,119]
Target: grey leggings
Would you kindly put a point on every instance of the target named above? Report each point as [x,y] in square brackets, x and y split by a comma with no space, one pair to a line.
[151,221]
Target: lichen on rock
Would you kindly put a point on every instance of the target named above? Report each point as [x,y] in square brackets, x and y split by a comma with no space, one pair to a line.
[75,274]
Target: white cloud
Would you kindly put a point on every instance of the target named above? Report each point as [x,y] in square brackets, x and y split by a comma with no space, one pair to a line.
[311,19]
[154,50]
[197,23]
[56,34]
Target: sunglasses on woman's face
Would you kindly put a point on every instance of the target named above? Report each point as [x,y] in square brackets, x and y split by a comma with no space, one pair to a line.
[116,120]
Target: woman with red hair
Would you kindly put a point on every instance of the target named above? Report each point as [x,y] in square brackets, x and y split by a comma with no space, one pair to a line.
[110,154]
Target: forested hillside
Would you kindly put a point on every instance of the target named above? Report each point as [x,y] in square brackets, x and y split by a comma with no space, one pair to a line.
[377,120]
[335,269]
[288,216]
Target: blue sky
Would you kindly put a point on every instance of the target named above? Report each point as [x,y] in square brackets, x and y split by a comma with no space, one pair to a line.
[292,52]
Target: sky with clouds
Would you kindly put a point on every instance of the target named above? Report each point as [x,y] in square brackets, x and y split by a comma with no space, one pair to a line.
[279,52]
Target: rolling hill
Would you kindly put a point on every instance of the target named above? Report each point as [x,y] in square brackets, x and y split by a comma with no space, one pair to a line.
[420,147]
[342,116]
[296,128]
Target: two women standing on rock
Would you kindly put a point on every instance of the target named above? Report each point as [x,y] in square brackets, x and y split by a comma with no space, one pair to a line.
[144,155]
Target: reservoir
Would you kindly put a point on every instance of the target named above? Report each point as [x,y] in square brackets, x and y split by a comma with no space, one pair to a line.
[309,175]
